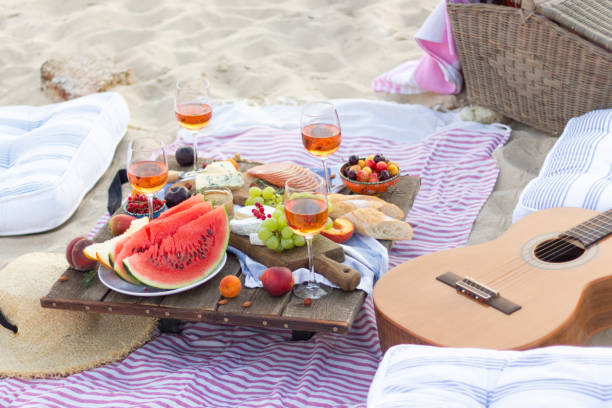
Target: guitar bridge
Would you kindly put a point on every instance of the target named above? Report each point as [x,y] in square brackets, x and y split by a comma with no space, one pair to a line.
[470,287]
[479,292]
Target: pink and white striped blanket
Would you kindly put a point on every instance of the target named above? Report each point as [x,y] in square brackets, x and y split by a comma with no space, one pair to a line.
[211,365]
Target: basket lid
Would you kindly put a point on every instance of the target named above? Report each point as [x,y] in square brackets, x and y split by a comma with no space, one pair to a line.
[589,18]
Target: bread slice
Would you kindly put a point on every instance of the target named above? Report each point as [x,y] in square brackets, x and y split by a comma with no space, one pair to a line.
[343,204]
[375,224]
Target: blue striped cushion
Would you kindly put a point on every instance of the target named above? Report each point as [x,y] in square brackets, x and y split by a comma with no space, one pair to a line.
[577,172]
[423,376]
[50,156]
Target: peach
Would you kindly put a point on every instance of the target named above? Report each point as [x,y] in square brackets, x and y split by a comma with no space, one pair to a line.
[277,280]
[69,248]
[341,230]
[119,223]
[77,259]
[230,286]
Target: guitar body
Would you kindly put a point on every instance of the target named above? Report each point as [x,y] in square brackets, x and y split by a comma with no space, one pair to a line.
[560,302]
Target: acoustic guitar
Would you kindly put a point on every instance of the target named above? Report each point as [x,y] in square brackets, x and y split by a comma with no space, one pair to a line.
[547,280]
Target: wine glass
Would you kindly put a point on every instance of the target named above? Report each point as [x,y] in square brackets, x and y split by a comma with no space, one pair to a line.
[321,132]
[193,109]
[306,214]
[147,166]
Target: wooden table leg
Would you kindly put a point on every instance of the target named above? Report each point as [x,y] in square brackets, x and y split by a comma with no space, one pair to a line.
[297,335]
[172,326]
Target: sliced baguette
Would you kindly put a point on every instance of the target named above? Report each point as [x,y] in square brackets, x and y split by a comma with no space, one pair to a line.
[375,224]
[343,204]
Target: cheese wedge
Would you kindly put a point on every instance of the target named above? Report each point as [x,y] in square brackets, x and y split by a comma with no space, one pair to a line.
[219,174]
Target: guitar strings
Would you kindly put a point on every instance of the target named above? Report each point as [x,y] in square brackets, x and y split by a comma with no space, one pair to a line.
[553,249]
[511,278]
[546,250]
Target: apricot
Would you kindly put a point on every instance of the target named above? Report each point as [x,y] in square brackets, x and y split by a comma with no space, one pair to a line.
[77,258]
[119,223]
[277,280]
[230,286]
[341,230]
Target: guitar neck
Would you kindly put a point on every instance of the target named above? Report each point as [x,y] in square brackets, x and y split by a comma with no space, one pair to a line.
[592,230]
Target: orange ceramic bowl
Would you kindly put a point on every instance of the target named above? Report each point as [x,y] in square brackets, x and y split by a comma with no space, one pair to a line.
[365,187]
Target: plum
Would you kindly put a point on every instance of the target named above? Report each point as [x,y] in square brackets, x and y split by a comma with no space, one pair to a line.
[184,155]
[176,195]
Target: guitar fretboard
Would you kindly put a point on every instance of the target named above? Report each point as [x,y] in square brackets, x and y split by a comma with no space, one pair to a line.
[592,230]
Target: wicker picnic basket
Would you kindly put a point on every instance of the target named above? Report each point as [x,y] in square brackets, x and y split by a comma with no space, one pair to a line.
[522,64]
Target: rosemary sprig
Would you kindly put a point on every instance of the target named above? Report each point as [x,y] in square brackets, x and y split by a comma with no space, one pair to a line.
[88,278]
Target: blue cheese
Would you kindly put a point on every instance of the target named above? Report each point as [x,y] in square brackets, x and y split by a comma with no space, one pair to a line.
[219,174]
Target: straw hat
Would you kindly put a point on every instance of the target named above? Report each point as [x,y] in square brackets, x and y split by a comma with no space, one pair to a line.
[55,342]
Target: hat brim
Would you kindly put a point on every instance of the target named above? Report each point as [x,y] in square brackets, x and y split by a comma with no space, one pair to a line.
[51,343]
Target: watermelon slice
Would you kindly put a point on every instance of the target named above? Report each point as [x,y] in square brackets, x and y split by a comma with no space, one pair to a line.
[100,251]
[153,234]
[187,256]
[188,203]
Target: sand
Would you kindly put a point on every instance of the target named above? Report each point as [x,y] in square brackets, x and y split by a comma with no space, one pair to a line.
[267,51]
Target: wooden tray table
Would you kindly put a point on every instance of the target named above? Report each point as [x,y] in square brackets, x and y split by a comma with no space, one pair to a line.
[333,313]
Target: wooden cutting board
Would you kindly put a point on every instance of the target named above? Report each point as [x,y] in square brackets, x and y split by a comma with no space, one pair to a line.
[327,256]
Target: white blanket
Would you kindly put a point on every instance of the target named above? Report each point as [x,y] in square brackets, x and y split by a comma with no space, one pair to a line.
[358,117]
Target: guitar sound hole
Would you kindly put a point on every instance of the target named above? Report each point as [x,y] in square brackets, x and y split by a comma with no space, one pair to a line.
[557,251]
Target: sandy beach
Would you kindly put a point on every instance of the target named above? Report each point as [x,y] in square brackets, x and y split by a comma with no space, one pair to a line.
[267,52]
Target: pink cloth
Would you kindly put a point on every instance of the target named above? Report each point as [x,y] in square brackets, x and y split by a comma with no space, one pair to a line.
[212,365]
[437,70]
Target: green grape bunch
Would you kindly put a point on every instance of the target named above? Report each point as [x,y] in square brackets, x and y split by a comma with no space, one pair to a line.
[267,196]
[277,236]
